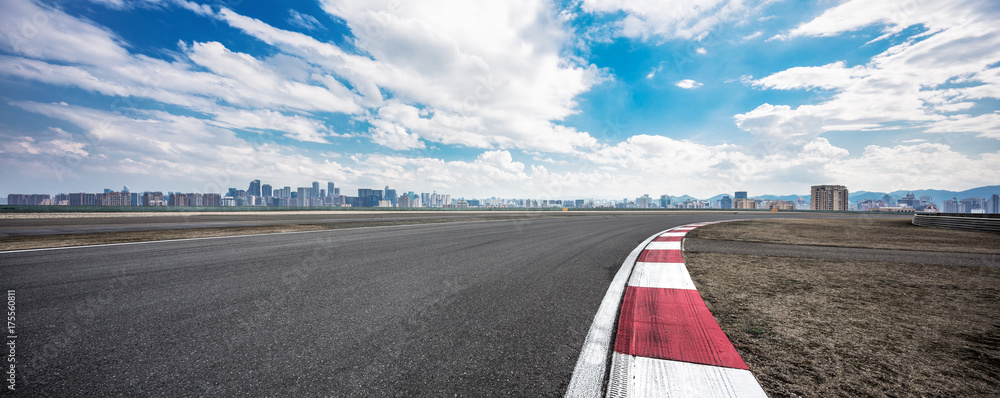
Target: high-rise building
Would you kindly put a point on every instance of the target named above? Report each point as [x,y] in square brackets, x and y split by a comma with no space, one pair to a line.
[211,200]
[178,199]
[664,201]
[81,199]
[330,189]
[303,195]
[27,199]
[952,206]
[830,198]
[993,206]
[973,205]
[744,203]
[315,190]
[390,195]
[909,200]
[369,197]
[741,195]
[266,190]
[153,199]
[115,199]
[726,202]
[643,201]
[254,189]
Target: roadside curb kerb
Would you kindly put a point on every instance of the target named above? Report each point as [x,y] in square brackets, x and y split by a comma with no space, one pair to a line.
[667,342]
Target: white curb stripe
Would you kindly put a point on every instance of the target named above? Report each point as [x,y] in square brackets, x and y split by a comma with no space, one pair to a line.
[592,366]
[662,275]
[663,246]
[634,376]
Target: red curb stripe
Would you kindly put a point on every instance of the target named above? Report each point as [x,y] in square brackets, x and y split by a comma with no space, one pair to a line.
[661,256]
[673,324]
[668,239]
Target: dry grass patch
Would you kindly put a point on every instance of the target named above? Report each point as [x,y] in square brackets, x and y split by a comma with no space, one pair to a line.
[810,327]
[861,231]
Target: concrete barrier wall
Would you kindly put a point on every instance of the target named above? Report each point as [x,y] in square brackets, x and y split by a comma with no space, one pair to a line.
[965,222]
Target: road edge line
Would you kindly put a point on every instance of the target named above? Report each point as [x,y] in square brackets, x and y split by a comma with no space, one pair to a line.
[590,374]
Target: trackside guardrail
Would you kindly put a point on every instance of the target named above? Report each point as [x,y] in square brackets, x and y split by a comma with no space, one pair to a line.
[965,222]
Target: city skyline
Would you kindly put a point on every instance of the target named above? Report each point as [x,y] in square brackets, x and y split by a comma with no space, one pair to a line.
[830,198]
[527,98]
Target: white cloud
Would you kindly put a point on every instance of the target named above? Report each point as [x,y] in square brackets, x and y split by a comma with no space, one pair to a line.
[831,76]
[937,165]
[38,31]
[893,16]
[394,136]
[493,69]
[688,84]
[687,19]
[652,73]
[296,127]
[986,125]
[304,21]
[182,153]
[912,83]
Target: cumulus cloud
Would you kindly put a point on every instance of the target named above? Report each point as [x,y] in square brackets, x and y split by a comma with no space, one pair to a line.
[494,67]
[173,149]
[688,19]
[911,83]
[688,84]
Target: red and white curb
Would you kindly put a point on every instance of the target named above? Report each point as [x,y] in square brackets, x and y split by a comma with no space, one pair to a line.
[667,343]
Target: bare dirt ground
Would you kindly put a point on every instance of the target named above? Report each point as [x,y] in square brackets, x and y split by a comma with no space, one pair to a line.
[859,231]
[819,328]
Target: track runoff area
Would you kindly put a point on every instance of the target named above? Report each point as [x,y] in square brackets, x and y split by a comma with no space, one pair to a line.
[666,343]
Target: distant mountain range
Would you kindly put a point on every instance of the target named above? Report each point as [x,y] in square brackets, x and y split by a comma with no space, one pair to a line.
[939,195]
[680,199]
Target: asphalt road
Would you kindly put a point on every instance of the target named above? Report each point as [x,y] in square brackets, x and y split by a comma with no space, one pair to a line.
[112,222]
[469,309]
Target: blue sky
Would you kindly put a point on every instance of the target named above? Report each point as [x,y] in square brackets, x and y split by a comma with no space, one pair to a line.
[525,98]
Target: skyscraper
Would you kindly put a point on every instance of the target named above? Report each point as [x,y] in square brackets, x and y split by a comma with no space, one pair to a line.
[254,189]
[726,202]
[829,197]
[664,201]
[952,206]
[741,195]
[266,190]
[330,191]
[302,196]
[369,197]
[390,195]
[315,189]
